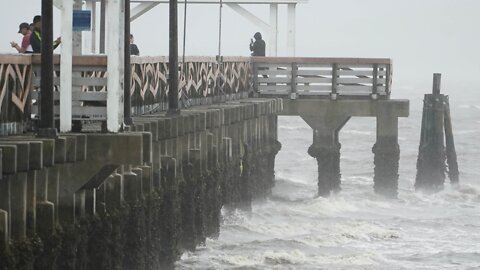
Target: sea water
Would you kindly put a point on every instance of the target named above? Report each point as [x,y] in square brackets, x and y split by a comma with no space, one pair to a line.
[357,229]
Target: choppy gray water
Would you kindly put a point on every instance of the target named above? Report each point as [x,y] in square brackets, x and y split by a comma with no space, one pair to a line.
[357,229]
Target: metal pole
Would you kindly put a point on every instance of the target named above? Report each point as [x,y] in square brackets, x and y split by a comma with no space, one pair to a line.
[47,121]
[173,61]
[102,26]
[127,101]
[220,30]
[184,31]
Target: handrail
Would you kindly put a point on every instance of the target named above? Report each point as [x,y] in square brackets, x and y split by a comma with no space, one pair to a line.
[322,60]
[297,77]
[208,79]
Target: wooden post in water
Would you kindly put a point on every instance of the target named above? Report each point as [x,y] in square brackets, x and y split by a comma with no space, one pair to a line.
[453,173]
[436,130]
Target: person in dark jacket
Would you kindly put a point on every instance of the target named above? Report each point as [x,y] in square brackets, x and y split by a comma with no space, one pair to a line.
[36,36]
[133,47]
[258,47]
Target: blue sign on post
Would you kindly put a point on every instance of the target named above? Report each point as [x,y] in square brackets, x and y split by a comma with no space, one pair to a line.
[82,20]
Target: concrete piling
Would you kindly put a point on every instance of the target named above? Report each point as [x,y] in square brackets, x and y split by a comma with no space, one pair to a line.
[18,189]
[3,230]
[132,179]
[45,219]
[326,150]
[114,192]
[387,153]
[328,162]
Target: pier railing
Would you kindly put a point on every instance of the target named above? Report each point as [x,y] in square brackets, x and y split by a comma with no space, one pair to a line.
[203,80]
[15,88]
[323,77]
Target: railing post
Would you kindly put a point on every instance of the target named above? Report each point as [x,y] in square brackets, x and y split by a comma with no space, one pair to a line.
[388,79]
[255,77]
[293,81]
[375,82]
[333,95]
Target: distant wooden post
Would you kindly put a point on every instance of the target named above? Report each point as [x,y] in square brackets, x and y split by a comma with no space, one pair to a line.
[453,173]
[436,131]
[375,80]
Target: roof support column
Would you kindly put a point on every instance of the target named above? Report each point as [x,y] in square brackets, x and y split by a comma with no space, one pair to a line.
[66,67]
[115,64]
[291,29]
[273,30]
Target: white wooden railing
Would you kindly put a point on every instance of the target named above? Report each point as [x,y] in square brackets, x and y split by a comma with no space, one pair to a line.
[335,78]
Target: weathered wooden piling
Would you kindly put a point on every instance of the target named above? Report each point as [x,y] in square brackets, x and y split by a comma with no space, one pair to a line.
[436,131]
[452,163]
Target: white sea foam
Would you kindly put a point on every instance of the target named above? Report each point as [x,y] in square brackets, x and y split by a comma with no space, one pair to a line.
[355,229]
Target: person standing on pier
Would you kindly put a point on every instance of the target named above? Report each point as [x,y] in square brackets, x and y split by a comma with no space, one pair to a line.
[257,47]
[133,47]
[36,36]
[24,29]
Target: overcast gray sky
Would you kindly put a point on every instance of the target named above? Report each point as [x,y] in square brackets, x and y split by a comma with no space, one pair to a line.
[421,36]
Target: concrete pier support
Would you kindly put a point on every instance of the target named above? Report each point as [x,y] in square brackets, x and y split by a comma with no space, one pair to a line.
[328,162]
[327,117]
[326,150]
[31,203]
[5,203]
[18,189]
[387,154]
[3,230]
